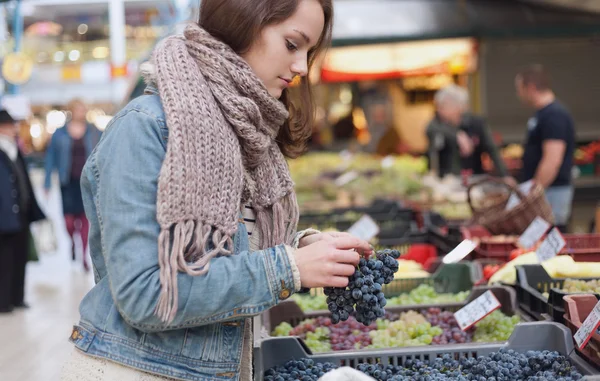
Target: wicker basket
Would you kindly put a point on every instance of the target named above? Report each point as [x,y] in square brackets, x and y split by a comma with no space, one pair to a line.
[498,220]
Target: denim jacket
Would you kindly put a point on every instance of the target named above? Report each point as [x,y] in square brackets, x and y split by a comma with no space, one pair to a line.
[59,155]
[204,342]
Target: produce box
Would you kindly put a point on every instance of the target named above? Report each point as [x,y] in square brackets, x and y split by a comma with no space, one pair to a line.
[490,247]
[430,236]
[290,312]
[532,282]
[537,336]
[583,247]
[394,220]
[452,278]
[577,309]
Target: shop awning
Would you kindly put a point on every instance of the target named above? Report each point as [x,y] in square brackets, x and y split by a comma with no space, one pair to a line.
[375,21]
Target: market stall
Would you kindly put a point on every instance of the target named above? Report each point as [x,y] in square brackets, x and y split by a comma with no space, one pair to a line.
[457,242]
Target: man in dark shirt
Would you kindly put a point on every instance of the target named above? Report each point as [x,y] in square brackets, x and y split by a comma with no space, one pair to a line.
[457,138]
[550,143]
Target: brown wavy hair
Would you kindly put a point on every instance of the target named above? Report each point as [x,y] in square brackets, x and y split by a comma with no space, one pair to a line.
[238,23]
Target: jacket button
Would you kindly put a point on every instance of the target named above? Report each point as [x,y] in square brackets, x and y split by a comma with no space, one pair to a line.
[14,193]
[74,334]
[15,209]
[284,294]
[13,178]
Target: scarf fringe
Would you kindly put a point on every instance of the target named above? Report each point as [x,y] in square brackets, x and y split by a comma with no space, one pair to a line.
[277,225]
[183,255]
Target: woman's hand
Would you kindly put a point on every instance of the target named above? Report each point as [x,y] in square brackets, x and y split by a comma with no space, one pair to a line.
[328,260]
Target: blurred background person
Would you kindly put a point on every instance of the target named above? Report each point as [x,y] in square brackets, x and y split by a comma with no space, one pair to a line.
[18,208]
[550,142]
[389,144]
[458,138]
[67,153]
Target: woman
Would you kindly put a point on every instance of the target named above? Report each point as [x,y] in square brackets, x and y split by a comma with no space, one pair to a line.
[68,150]
[178,270]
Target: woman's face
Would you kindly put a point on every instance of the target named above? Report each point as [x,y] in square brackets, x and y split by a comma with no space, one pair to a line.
[281,51]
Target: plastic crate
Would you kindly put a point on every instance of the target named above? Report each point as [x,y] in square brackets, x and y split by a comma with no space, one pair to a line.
[583,247]
[488,248]
[526,336]
[381,210]
[532,281]
[290,312]
[577,309]
[452,278]
[480,265]
[431,236]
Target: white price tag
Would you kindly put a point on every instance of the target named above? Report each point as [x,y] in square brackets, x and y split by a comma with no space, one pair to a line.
[533,233]
[387,162]
[346,178]
[514,200]
[589,326]
[479,308]
[365,228]
[551,246]
[462,250]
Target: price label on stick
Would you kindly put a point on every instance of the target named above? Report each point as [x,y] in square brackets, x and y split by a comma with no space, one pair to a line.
[365,228]
[533,233]
[479,308]
[346,178]
[514,200]
[589,326]
[462,250]
[551,245]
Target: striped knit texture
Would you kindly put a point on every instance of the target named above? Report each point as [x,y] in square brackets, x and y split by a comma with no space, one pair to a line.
[221,154]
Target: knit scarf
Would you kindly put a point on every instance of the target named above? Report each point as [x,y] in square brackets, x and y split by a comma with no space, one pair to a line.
[221,154]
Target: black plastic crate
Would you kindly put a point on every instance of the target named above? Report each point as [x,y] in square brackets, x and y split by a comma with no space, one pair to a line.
[526,336]
[532,282]
[433,236]
[290,312]
[394,220]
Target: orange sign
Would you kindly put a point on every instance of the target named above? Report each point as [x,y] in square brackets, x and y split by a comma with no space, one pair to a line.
[71,73]
[396,60]
[118,71]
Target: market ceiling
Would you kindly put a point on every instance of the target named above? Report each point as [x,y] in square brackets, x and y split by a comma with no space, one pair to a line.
[364,22]
[583,5]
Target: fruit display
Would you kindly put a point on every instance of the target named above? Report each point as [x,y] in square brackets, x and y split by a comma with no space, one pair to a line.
[396,176]
[409,269]
[561,266]
[506,364]
[426,294]
[587,153]
[451,333]
[411,329]
[495,327]
[422,294]
[309,303]
[364,297]
[575,286]
[431,326]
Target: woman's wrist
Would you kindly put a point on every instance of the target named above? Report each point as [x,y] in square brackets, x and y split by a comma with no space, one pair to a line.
[290,251]
[297,243]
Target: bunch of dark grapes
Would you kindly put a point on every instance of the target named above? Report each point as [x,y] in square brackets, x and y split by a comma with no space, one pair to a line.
[445,320]
[304,369]
[504,365]
[363,297]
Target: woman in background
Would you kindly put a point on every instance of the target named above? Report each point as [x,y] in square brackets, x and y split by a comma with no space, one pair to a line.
[67,153]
